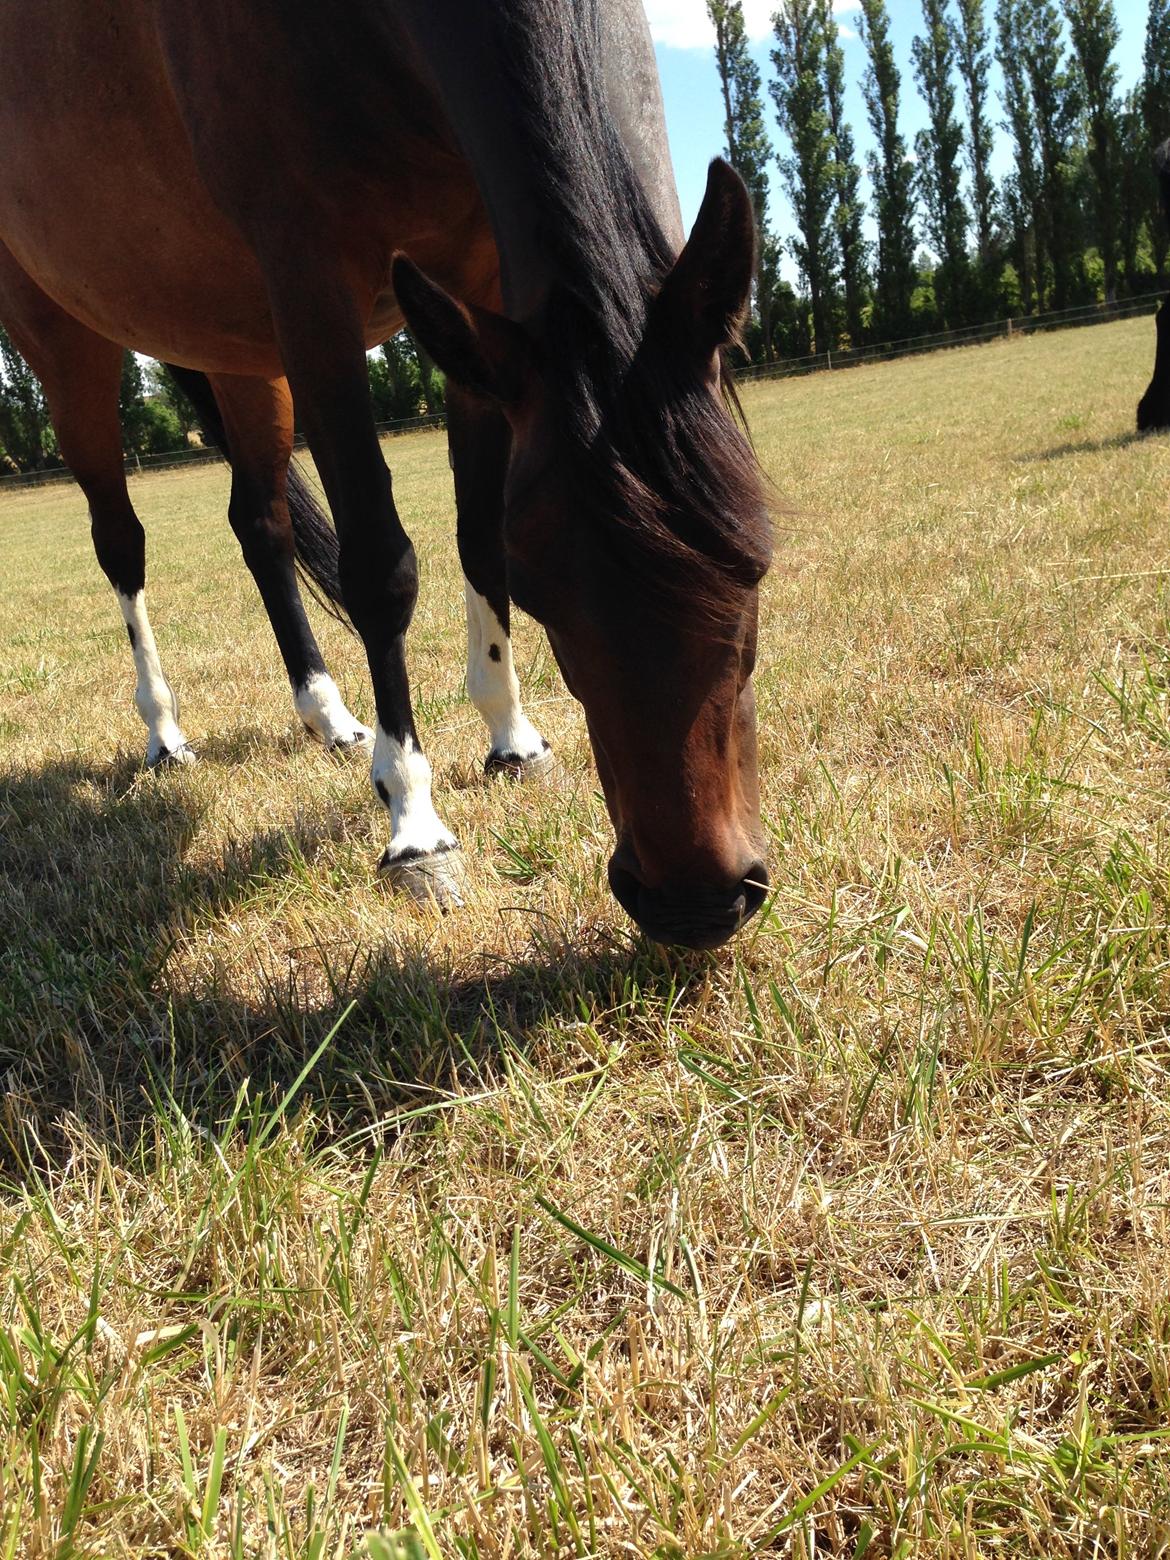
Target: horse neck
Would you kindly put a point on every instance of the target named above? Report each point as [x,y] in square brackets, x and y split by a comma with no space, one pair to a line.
[523,83]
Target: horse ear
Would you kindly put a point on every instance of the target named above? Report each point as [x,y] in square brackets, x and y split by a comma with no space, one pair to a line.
[480,351]
[703,300]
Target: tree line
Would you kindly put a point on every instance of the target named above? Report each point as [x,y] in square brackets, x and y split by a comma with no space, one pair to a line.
[1077,220]
[157,417]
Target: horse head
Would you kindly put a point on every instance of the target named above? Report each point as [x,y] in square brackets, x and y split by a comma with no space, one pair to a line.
[636,533]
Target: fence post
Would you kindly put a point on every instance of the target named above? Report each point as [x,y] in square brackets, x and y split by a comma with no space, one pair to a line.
[1008,331]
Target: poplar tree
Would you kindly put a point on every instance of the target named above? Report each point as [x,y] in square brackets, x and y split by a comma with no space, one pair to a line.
[1055,112]
[132,405]
[161,386]
[1134,160]
[1092,26]
[431,379]
[25,435]
[749,150]
[395,387]
[939,149]
[974,62]
[891,174]
[1155,112]
[1022,191]
[799,95]
[846,176]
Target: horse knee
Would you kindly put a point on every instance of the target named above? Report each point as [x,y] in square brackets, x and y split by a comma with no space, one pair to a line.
[261,526]
[379,586]
[120,544]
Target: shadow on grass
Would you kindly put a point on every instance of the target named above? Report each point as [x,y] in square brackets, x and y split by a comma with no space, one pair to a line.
[94,895]
[244,743]
[1115,441]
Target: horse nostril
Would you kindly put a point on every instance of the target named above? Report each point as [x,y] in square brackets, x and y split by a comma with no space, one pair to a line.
[625,887]
[693,917]
[754,889]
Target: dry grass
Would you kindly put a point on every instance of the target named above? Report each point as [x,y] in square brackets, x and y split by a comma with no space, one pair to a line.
[510,1235]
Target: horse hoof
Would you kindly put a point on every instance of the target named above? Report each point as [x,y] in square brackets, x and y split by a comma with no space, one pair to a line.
[360,745]
[513,767]
[436,878]
[173,758]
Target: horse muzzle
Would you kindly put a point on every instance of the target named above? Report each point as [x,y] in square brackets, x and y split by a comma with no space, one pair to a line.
[695,917]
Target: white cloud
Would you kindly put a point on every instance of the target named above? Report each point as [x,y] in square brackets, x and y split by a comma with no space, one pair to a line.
[684,24]
[677,26]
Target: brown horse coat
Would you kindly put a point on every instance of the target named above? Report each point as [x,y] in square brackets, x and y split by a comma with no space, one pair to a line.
[227,185]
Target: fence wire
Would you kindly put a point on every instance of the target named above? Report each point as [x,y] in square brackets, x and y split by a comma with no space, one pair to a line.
[785,368]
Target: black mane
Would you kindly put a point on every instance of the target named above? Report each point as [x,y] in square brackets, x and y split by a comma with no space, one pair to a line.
[604,242]
[677,485]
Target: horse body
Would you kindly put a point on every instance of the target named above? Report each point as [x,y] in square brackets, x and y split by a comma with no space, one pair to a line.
[199,296]
[227,186]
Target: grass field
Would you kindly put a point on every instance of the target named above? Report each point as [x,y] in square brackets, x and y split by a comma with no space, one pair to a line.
[510,1234]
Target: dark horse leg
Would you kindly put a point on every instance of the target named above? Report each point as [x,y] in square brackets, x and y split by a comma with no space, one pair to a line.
[258,423]
[480,440]
[81,373]
[320,335]
[1154,407]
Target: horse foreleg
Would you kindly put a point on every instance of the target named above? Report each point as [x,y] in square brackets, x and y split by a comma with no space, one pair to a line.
[258,423]
[321,342]
[479,441]
[1154,407]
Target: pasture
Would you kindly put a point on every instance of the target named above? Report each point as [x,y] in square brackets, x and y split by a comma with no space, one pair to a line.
[508,1233]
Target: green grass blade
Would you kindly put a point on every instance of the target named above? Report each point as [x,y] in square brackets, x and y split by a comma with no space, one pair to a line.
[512,1319]
[620,1259]
[214,1481]
[807,1502]
[414,1503]
[1000,1378]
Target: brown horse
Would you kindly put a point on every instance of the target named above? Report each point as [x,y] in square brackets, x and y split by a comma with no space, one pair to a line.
[234,186]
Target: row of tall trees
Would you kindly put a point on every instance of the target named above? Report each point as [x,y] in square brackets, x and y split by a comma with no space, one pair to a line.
[155,414]
[1076,220]
[157,417]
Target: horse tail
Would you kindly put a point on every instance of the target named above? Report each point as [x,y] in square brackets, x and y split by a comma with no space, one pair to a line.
[315,545]
[314,539]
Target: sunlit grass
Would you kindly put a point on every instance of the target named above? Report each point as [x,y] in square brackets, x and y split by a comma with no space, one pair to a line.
[508,1234]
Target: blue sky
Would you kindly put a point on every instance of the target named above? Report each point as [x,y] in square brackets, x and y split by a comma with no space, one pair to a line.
[690,85]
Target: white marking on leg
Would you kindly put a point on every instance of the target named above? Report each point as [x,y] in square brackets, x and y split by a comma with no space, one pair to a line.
[320,706]
[401,777]
[492,685]
[153,697]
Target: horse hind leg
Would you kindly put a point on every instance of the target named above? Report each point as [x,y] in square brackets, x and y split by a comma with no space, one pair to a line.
[81,373]
[154,697]
[479,444]
[120,544]
[258,428]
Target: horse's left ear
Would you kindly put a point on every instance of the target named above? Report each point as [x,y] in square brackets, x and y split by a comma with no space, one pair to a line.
[705,295]
[478,350]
